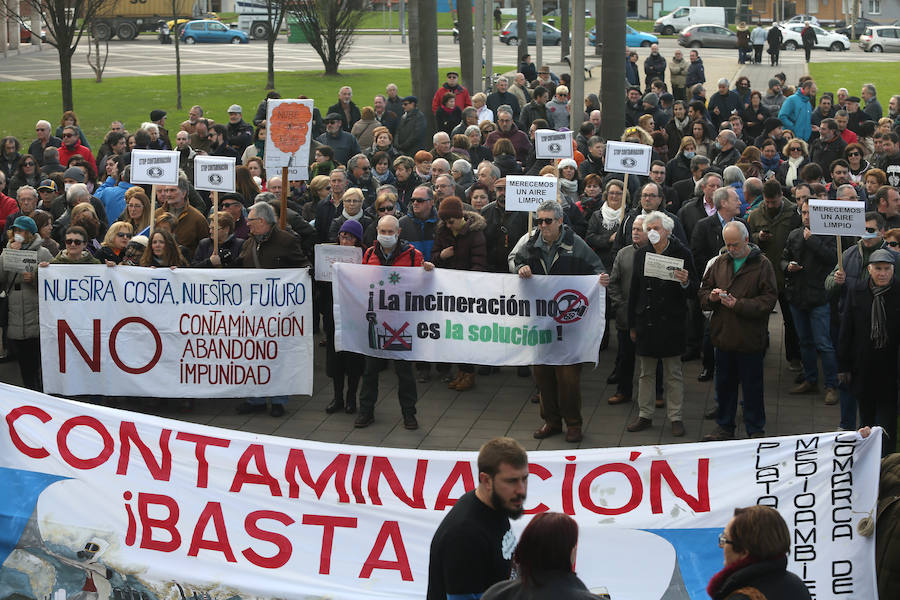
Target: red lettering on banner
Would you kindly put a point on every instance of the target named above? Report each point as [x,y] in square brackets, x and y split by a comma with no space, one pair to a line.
[328,524]
[62,441]
[212,511]
[382,466]
[634,478]
[63,331]
[568,501]
[462,471]
[660,469]
[544,474]
[257,453]
[281,542]
[128,434]
[337,468]
[389,531]
[113,336]
[14,437]
[202,441]
[356,480]
[148,523]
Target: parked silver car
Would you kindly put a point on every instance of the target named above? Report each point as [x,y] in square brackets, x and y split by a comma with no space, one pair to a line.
[707,36]
[881,39]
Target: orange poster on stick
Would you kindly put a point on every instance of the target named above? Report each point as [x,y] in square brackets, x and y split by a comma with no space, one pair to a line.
[288,133]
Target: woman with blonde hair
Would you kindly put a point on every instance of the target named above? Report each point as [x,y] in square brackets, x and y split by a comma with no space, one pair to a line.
[117,237]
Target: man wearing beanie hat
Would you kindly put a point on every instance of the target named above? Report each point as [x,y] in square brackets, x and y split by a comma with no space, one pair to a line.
[352,227]
[772,128]
[159,117]
[650,104]
[459,243]
[774,98]
[868,346]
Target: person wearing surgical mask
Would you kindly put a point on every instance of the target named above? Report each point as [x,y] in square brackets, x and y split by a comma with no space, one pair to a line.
[389,250]
[23,331]
[664,278]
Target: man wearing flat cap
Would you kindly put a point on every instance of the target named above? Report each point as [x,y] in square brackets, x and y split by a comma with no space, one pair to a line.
[344,144]
[453,86]
[412,130]
[868,344]
[159,117]
[240,132]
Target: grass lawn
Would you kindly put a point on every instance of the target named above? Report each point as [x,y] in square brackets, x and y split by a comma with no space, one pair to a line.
[130,99]
[852,75]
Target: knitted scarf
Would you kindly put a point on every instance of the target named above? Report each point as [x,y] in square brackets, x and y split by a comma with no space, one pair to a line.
[611,216]
[879,319]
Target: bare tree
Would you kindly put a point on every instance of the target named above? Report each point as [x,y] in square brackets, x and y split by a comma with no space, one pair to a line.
[66,20]
[330,27]
[98,63]
[466,45]
[177,36]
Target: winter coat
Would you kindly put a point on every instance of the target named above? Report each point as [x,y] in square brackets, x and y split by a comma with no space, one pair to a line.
[412,132]
[725,103]
[353,109]
[344,145]
[403,254]
[557,114]
[823,153]
[549,585]
[743,39]
[336,223]
[779,226]
[462,97]
[874,370]
[678,72]
[657,308]
[598,234]
[620,284]
[191,227]
[771,578]
[363,131]
[519,141]
[678,168]
[419,232]
[446,120]
[631,73]
[855,259]
[695,73]
[502,230]
[573,255]
[278,250]
[774,39]
[497,99]
[784,167]
[531,111]
[469,245]
[808,37]
[229,251]
[753,125]
[24,323]
[796,115]
[805,288]
[706,238]
[745,326]
[887,536]
[654,68]
[507,165]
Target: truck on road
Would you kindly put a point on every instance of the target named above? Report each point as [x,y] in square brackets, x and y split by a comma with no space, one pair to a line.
[127,18]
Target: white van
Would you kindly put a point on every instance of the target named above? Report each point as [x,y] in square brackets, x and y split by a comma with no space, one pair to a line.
[686,16]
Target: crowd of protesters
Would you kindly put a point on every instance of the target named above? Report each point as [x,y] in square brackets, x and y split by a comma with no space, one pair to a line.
[728,194]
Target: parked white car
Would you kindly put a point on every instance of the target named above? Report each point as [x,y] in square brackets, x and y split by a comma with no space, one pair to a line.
[826,40]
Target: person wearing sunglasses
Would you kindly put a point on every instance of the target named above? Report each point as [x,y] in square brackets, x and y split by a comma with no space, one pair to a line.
[27,172]
[854,153]
[71,145]
[755,545]
[117,237]
[553,248]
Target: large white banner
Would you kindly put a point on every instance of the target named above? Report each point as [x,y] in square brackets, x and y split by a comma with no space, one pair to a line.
[464,316]
[184,333]
[169,509]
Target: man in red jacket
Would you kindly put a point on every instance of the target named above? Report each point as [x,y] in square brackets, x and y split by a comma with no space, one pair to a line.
[451,85]
[71,145]
[390,250]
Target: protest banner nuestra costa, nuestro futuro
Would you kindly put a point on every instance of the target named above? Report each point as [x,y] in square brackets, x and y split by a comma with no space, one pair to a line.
[105,503]
[184,333]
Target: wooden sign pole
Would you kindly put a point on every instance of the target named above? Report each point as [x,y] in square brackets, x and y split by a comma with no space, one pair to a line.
[215,196]
[282,220]
[152,210]
[840,254]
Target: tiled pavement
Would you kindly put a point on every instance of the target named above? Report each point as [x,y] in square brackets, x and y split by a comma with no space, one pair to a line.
[499,405]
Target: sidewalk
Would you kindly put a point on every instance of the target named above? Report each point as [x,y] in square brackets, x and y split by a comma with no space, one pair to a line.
[499,405]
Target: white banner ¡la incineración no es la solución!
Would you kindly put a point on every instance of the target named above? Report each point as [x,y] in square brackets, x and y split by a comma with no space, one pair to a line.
[133,505]
[184,333]
[447,315]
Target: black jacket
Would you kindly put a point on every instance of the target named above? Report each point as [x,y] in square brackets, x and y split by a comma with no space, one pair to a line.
[706,239]
[654,68]
[678,168]
[822,153]
[770,577]
[354,114]
[657,308]
[412,132]
[502,230]
[696,74]
[805,288]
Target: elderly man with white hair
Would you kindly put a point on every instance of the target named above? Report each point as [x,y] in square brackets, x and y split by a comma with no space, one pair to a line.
[740,290]
[725,154]
[441,148]
[44,139]
[268,248]
[664,278]
[723,103]
[502,96]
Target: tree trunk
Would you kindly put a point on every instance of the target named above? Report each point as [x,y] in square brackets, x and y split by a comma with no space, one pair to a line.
[598,35]
[65,76]
[177,69]
[466,43]
[564,12]
[612,79]
[423,54]
[270,62]
[521,30]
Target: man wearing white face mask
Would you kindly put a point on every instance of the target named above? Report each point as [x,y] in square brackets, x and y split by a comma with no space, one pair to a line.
[390,250]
